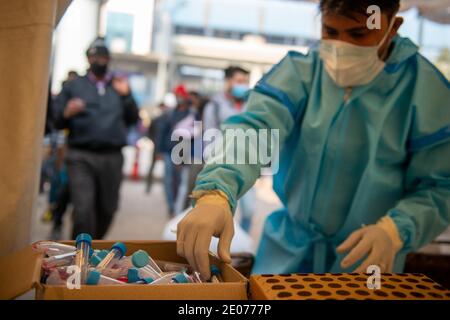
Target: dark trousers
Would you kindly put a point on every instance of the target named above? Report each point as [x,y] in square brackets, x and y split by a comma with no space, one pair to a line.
[62,203]
[94,183]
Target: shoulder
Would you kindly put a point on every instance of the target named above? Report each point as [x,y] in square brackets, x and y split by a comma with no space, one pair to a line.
[431,98]
[78,82]
[430,74]
[295,66]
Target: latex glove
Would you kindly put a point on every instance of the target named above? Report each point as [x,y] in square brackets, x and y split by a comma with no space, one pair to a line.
[210,217]
[380,242]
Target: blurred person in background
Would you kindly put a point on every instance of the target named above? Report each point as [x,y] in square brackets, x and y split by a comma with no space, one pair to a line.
[97,108]
[155,134]
[171,170]
[199,103]
[222,106]
[192,134]
[59,195]
[71,75]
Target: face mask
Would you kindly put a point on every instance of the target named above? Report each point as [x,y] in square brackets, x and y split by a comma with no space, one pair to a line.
[239,91]
[350,65]
[98,69]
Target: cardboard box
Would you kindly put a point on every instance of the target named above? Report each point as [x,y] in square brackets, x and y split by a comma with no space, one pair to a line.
[21,272]
[352,286]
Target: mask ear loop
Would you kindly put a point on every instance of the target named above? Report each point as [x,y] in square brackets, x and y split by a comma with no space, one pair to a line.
[386,36]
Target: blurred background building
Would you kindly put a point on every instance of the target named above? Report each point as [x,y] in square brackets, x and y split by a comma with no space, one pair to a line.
[161,43]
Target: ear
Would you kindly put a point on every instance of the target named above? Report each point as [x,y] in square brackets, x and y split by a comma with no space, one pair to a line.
[397,24]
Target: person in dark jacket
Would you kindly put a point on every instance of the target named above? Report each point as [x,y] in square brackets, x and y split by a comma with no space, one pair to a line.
[168,124]
[154,133]
[97,109]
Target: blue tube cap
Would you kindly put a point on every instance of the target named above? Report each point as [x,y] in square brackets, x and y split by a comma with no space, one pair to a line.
[133,275]
[93,278]
[148,280]
[180,278]
[83,237]
[102,254]
[140,259]
[95,260]
[121,247]
[214,270]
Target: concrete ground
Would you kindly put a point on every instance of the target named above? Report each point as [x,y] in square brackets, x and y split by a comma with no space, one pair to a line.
[142,216]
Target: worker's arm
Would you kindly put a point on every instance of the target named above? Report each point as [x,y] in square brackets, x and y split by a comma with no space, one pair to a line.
[277,103]
[424,212]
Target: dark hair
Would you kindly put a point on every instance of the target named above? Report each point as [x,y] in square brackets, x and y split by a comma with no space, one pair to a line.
[98,47]
[195,94]
[232,70]
[348,7]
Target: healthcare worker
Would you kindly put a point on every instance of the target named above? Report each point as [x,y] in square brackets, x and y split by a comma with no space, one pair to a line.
[364,169]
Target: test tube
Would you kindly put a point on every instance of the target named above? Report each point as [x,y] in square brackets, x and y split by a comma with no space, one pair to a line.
[168,278]
[98,257]
[196,277]
[52,248]
[146,273]
[59,260]
[95,278]
[83,244]
[172,266]
[141,259]
[118,250]
[179,277]
[215,274]
[133,275]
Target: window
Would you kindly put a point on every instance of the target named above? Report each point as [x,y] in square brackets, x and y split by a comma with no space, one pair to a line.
[119,31]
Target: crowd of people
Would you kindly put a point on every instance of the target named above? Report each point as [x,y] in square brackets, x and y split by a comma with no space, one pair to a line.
[86,129]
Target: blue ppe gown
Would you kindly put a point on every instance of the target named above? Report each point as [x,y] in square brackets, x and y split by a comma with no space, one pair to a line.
[345,163]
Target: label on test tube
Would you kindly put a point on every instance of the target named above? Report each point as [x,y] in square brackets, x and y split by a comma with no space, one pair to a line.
[165,279]
[172,266]
[59,260]
[118,250]
[83,243]
[52,248]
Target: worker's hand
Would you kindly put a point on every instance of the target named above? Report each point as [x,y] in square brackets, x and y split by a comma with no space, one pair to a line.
[121,85]
[380,242]
[210,217]
[74,107]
